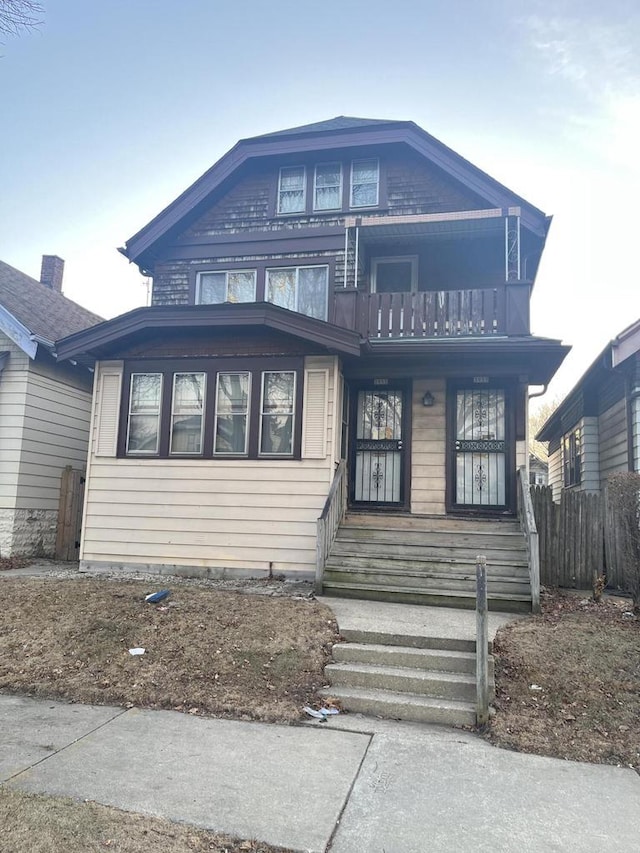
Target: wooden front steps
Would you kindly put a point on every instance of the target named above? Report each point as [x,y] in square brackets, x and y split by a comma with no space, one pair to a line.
[430,680]
[427,560]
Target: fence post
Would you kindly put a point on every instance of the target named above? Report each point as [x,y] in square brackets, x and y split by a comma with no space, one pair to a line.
[482,643]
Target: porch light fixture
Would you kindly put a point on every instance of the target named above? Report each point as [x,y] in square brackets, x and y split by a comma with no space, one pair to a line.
[428,400]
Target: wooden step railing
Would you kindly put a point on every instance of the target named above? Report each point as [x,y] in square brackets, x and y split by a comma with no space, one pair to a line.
[327,525]
[530,530]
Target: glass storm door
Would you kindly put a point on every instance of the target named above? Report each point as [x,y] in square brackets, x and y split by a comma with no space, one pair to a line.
[378,466]
[480,449]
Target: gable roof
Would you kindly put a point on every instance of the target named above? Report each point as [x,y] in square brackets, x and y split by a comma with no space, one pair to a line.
[29,308]
[566,415]
[340,132]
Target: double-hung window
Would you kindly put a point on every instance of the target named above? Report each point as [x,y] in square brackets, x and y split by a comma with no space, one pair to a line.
[365,181]
[145,400]
[277,412]
[213,288]
[292,189]
[301,289]
[327,186]
[187,413]
[571,458]
[232,414]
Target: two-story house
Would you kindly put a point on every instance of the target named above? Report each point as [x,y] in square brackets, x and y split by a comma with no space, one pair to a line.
[340,314]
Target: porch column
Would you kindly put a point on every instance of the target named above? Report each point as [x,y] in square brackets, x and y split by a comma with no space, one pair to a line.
[512,244]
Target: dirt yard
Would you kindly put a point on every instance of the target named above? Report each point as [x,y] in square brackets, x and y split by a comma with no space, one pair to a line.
[37,824]
[206,651]
[568,682]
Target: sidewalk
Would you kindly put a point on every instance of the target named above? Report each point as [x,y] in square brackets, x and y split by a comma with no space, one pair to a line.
[351,785]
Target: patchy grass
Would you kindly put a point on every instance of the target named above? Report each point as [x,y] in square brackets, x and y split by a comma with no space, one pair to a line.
[206,651]
[40,824]
[585,657]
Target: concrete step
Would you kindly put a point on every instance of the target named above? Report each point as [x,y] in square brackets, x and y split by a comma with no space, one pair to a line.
[424,581]
[435,660]
[362,636]
[505,602]
[404,706]
[436,684]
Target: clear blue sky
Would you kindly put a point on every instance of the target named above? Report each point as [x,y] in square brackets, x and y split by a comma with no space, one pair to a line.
[109,110]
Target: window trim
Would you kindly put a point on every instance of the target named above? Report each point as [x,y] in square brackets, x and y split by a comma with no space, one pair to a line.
[353,206]
[572,458]
[226,272]
[202,415]
[297,267]
[412,259]
[142,453]
[211,366]
[220,454]
[261,453]
[303,209]
[340,185]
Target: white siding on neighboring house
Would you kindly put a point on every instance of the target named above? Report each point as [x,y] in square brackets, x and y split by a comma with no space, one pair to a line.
[635,431]
[555,473]
[428,448]
[216,514]
[614,447]
[13,388]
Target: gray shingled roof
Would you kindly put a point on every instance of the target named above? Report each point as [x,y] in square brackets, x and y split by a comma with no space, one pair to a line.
[337,123]
[43,311]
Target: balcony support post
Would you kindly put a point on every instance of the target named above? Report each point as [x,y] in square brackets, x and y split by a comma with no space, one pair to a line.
[512,245]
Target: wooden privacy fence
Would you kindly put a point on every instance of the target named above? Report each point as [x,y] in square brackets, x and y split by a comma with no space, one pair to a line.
[70,514]
[579,539]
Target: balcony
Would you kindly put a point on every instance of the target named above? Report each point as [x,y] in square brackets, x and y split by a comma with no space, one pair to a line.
[486,312]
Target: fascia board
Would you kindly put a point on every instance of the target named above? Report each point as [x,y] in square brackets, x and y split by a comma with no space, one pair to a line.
[17,332]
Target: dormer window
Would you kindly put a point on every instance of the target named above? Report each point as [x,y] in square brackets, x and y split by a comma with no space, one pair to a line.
[291,189]
[365,180]
[327,186]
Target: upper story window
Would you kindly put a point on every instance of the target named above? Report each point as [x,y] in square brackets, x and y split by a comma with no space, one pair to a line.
[292,189]
[327,186]
[213,288]
[365,183]
[301,289]
[571,458]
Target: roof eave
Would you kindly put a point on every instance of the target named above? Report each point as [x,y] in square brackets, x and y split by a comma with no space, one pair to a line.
[18,332]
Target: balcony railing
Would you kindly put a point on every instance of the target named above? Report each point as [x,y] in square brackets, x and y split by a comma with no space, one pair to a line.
[485,312]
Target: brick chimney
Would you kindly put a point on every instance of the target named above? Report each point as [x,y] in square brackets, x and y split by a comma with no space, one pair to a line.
[51,272]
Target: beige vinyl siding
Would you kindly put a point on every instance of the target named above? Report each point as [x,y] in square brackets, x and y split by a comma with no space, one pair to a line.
[212,513]
[55,434]
[555,473]
[614,449]
[13,389]
[590,456]
[428,449]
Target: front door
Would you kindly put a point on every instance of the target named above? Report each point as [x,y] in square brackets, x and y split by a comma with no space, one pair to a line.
[480,453]
[378,453]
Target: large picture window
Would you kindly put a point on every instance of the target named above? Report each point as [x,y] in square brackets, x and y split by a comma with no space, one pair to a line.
[214,288]
[212,408]
[302,289]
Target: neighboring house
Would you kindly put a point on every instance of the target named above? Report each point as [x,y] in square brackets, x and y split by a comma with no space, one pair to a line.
[595,431]
[348,290]
[44,406]
[538,470]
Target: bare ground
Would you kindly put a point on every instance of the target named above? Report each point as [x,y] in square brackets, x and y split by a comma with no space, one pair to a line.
[206,651]
[41,824]
[568,682]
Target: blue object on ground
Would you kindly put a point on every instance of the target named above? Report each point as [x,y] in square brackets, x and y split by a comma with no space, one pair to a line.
[157,596]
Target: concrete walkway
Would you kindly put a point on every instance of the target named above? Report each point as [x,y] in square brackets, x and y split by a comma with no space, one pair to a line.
[351,785]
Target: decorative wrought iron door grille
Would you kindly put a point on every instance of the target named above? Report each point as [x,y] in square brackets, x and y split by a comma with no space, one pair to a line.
[377,471]
[480,447]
